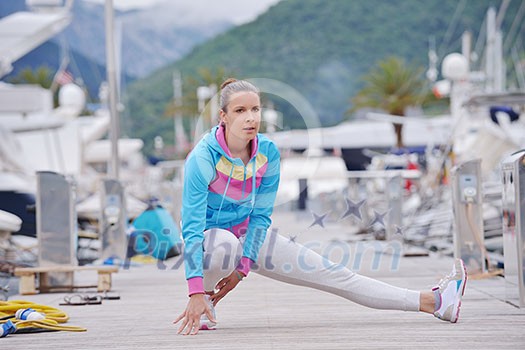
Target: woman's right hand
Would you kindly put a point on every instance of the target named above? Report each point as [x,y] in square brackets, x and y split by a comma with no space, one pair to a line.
[191,317]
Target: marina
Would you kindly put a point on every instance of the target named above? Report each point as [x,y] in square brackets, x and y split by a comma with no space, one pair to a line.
[92,226]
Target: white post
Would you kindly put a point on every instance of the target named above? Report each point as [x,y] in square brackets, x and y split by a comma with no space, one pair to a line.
[112,88]
[214,105]
[204,93]
[489,53]
[466,46]
[513,213]
[467,201]
[519,68]
[498,62]
[180,140]
[432,72]
[455,69]
[270,116]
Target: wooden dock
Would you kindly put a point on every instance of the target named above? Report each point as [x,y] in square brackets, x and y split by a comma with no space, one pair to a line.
[264,314]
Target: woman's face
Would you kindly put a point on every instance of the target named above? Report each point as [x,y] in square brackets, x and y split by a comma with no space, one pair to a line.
[243,116]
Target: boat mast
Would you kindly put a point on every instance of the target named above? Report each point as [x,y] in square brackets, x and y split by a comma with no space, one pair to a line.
[112,88]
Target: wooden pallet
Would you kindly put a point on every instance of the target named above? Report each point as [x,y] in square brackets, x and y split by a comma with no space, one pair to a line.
[28,277]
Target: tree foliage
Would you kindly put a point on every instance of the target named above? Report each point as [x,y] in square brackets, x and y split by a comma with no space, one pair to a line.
[319,48]
[41,76]
[189,106]
[392,86]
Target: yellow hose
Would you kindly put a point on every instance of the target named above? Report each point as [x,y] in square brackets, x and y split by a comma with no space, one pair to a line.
[52,320]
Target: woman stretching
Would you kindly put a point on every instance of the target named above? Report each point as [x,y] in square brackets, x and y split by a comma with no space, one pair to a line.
[230,182]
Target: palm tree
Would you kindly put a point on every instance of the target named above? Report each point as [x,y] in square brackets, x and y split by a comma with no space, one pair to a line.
[204,77]
[392,86]
[189,106]
[41,76]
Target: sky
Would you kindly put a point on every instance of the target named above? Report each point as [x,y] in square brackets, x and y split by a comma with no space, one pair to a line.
[238,11]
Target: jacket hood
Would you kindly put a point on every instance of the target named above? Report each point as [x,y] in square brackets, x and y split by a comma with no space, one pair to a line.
[217,141]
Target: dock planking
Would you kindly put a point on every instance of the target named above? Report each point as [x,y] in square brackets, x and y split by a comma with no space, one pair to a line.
[265,314]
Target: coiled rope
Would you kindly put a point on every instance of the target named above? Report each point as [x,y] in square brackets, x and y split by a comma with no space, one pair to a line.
[53,317]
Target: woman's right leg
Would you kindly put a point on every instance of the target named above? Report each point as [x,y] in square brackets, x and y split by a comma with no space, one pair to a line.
[221,254]
[293,263]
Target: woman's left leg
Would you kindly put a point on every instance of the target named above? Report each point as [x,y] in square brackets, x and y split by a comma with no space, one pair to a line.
[293,263]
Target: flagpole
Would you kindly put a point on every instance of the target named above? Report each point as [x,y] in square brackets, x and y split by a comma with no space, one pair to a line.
[112,88]
[180,141]
[61,69]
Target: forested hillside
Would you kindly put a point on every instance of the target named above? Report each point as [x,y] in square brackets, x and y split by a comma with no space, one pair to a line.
[320,48]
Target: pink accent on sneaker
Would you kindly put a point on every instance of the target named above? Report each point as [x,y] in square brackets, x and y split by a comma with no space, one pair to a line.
[205,327]
[462,291]
[466,278]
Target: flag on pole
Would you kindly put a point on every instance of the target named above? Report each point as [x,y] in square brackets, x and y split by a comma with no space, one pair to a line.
[64,78]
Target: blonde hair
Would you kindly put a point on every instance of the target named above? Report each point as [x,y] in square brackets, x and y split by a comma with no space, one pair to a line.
[231,86]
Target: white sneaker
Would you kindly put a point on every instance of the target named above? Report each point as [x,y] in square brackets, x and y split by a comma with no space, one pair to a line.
[450,289]
[206,324]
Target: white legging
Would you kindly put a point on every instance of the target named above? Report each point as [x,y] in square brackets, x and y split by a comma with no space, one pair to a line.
[293,263]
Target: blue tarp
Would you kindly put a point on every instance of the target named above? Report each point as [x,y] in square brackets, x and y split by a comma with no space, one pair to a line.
[156,234]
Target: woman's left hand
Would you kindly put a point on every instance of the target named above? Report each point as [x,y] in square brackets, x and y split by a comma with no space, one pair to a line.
[225,285]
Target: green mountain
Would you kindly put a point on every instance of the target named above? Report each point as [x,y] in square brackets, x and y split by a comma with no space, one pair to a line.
[321,48]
